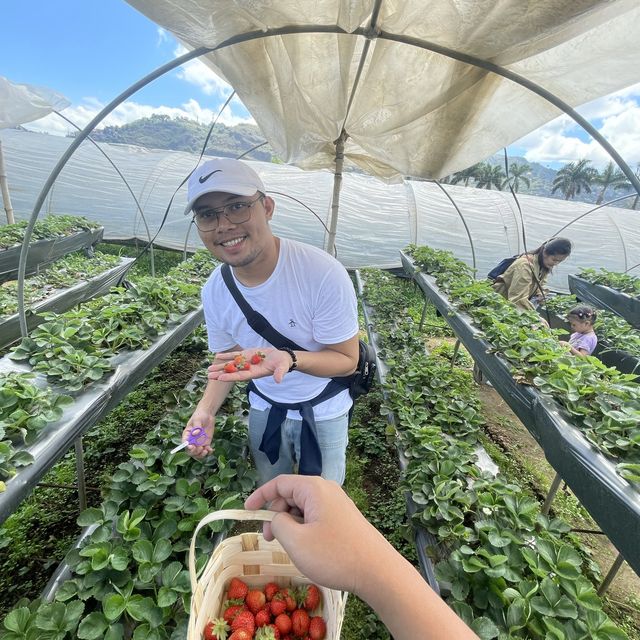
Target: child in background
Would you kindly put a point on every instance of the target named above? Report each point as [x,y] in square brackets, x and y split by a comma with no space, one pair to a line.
[583,340]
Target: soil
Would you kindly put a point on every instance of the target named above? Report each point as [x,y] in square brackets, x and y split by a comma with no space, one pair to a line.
[509,434]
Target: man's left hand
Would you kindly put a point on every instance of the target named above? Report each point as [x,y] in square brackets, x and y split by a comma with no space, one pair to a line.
[236,366]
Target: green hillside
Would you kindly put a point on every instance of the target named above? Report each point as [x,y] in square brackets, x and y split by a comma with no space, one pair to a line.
[182,134]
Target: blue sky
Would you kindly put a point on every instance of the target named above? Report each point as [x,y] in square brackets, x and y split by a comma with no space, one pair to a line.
[91,50]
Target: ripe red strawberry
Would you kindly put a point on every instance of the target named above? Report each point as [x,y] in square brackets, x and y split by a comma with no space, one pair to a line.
[300,622]
[309,597]
[317,628]
[257,358]
[216,629]
[244,620]
[269,632]
[241,634]
[278,604]
[237,589]
[230,612]
[289,600]
[255,600]
[230,367]
[283,623]
[270,590]
[263,617]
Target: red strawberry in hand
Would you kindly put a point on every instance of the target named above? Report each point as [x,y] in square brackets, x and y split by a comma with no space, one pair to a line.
[230,367]
[257,357]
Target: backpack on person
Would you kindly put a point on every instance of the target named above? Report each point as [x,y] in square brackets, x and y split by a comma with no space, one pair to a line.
[500,268]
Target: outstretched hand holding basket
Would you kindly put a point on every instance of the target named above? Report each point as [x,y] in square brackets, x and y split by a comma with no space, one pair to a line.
[326,540]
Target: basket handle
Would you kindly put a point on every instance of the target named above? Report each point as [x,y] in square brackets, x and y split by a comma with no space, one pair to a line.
[223,514]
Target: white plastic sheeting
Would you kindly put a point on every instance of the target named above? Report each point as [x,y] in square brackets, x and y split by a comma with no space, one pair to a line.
[20,103]
[376,219]
[415,112]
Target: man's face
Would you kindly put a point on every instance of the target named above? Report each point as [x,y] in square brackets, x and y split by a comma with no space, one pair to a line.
[237,244]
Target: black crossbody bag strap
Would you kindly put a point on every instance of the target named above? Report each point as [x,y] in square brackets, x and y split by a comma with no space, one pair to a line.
[256,320]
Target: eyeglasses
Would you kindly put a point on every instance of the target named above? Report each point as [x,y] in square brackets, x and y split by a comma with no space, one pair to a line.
[234,212]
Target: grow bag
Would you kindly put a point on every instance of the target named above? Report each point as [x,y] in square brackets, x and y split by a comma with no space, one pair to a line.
[45,251]
[612,502]
[63,300]
[606,298]
[91,404]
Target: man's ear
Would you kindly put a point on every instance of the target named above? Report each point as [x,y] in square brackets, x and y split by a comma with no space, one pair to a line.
[269,206]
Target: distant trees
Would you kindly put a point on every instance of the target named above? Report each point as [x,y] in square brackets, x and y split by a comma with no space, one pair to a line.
[517,176]
[490,175]
[573,178]
[464,176]
[610,176]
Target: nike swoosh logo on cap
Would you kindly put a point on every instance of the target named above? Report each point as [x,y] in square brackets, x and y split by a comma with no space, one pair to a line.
[203,179]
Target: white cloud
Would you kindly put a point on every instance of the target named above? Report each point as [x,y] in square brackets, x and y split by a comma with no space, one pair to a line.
[129,111]
[617,118]
[195,72]
[163,36]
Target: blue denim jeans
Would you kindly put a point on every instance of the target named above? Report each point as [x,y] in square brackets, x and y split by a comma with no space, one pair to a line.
[333,437]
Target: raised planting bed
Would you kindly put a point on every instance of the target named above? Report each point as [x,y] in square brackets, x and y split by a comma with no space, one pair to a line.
[90,405]
[62,300]
[606,298]
[422,538]
[612,501]
[42,252]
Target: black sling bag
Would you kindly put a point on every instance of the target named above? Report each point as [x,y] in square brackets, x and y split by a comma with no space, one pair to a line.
[358,382]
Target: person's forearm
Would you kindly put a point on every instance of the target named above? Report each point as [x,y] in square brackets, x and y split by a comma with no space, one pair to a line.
[386,591]
[326,363]
[214,395]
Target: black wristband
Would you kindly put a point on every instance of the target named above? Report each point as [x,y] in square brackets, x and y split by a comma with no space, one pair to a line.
[294,359]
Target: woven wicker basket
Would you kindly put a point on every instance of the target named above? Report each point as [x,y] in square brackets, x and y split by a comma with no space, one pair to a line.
[251,558]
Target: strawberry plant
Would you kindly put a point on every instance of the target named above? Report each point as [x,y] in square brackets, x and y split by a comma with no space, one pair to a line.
[65,272]
[621,281]
[603,403]
[511,572]
[48,227]
[129,577]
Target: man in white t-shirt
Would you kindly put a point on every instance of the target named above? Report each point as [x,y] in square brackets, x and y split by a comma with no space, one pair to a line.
[299,415]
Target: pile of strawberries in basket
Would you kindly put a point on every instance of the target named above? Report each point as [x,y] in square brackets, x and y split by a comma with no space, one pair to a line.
[272,613]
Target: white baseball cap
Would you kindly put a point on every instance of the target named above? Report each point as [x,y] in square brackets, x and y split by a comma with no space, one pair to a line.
[224,175]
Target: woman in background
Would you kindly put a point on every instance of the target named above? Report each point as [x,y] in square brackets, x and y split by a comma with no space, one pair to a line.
[527,274]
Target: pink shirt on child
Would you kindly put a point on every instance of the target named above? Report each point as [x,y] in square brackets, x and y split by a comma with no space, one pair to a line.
[586,341]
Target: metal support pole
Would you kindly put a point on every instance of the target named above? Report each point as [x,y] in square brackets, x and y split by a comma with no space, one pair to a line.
[335,199]
[6,198]
[456,348]
[82,487]
[608,579]
[555,485]
[424,314]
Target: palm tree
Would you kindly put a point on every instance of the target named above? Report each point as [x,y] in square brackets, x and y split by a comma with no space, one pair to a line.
[470,173]
[517,172]
[611,176]
[490,175]
[573,178]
